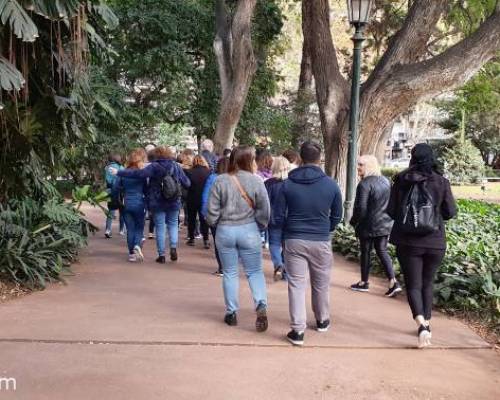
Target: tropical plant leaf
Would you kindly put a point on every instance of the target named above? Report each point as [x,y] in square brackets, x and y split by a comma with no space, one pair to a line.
[107,15]
[14,14]
[10,77]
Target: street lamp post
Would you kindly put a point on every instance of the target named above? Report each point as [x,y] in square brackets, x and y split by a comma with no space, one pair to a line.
[359,13]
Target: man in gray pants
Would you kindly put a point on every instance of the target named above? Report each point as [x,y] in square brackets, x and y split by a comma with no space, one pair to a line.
[311,208]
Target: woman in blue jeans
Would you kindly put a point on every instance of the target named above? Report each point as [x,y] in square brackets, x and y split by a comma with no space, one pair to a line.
[280,169]
[238,207]
[165,211]
[133,191]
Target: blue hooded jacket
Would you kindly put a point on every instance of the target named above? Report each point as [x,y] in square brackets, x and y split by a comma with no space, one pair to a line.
[155,172]
[312,205]
[274,187]
[206,192]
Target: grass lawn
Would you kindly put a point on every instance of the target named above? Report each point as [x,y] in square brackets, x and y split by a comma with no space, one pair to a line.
[491,194]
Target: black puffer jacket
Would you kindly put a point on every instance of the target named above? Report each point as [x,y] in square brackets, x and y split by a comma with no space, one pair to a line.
[440,190]
[370,218]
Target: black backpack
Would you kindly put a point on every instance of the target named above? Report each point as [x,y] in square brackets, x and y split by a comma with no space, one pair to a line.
[420,215]
[170,188]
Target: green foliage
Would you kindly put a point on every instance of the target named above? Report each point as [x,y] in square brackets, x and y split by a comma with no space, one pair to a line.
[477,104]
[469,277]
[462,162]
[39,240]
[390,173]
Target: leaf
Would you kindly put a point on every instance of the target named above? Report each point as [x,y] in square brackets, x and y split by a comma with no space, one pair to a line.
[22,25]
[10,77]
[107,15]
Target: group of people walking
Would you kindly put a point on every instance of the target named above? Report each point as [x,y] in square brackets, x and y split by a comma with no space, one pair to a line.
[251,200]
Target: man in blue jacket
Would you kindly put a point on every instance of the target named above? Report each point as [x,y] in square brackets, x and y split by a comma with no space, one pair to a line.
[311,209]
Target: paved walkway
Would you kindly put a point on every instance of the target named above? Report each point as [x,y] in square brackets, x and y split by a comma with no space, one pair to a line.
[149,331]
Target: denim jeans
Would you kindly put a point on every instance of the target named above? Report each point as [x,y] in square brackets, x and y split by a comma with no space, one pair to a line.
[275,243]
[109,220]
[166,220]
[134,221]
[241,241]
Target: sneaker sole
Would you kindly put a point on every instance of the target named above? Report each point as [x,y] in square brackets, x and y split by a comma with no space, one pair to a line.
[295,342]
[323,329]
[360,290]
[424,340]
[396,291]
[261,324]
[138,253]
[278,277]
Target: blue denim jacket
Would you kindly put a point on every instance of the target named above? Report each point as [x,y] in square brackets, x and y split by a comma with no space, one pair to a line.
[133,189]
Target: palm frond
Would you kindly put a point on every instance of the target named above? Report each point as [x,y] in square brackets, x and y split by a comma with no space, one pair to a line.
[10,77]
[14,14]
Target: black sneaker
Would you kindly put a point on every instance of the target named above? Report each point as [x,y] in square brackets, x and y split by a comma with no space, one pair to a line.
[322,326]
[160,260]
[361,287]
[173,254]
[231,319]
[190,242]
[206,244]
[295,338]
[261,322]
[218,273]
[108,234]
[393,291]
[278,274]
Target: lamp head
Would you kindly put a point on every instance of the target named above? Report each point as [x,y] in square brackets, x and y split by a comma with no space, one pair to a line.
[359,11]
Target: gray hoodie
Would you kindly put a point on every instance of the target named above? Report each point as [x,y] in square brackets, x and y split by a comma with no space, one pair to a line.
[226,205]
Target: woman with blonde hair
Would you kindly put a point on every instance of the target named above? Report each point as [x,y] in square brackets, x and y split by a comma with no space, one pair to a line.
[198,176]
[372,223]
[130,194]
[281,167]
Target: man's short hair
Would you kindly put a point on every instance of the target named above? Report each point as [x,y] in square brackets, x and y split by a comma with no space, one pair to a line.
[208,145]
[310,153]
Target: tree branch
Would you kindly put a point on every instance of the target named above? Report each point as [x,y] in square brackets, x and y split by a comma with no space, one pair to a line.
[410,42]
[454,66]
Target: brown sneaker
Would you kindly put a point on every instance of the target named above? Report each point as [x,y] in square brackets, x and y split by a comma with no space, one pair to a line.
[261,323]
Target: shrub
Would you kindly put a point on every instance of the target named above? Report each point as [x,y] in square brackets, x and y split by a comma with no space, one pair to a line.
[462,162]
[39,240]
[390,173]
[469,277]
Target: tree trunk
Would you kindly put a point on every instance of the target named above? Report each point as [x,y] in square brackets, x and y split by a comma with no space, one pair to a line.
[237,66]
[399,80]
[305,94]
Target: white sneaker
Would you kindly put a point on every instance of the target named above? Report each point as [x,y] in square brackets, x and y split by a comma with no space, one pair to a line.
[151,236]
[424,337]
[123,233]
[138,253]
[108,234]
[132,258]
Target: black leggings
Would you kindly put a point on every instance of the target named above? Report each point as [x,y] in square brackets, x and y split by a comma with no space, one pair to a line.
[380,244]
[194,210]
[419,266]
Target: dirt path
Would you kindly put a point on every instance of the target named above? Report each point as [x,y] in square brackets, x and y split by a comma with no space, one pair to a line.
[146,331]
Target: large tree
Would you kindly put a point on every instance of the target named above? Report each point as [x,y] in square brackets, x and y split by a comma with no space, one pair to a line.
[404,75]
[237,64]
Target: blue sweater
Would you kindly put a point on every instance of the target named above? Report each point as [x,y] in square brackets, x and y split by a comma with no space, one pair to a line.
[312,205]
[155,172]
[206,192]
[274,188]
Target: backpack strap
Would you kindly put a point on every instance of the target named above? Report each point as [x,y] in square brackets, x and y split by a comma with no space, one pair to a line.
[242,191]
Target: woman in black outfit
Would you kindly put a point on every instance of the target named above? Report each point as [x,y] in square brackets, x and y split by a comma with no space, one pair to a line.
[420,253]
[198,175]
[372,223]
